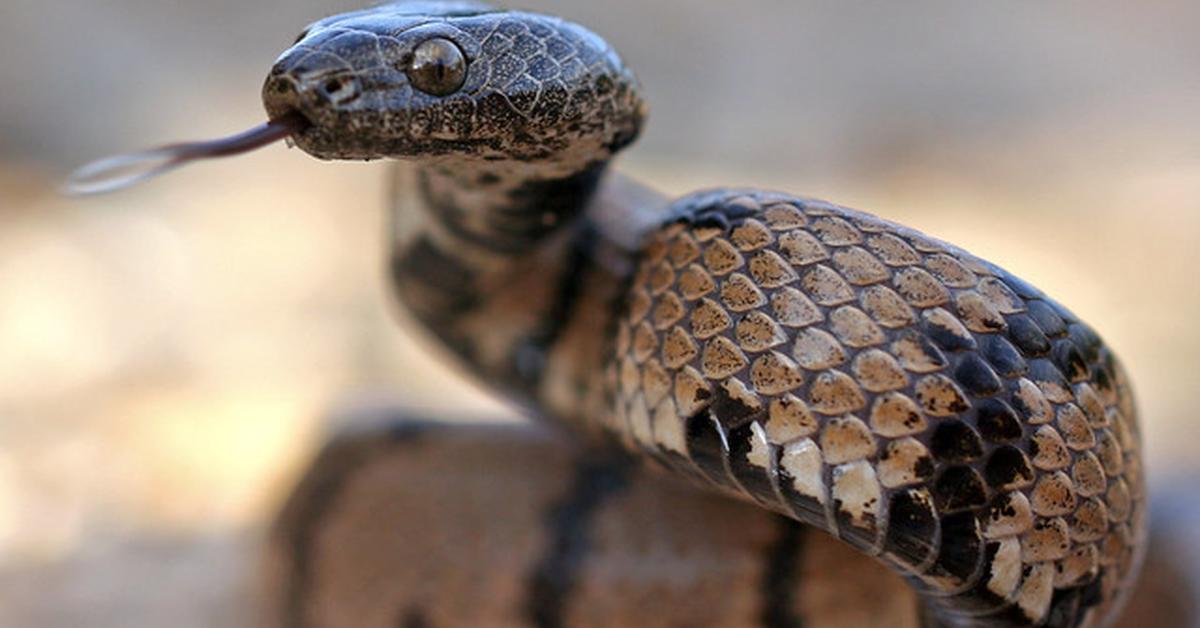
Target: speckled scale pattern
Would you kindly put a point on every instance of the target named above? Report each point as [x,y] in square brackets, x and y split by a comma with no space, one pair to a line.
[922,404]
[563,86]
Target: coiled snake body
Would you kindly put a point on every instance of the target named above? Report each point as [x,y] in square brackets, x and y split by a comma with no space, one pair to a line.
[922,405]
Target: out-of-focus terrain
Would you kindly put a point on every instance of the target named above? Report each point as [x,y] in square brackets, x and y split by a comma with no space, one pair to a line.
[168,354]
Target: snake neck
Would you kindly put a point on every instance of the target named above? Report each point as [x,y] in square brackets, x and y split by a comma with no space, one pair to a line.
[518,269]
[506,208]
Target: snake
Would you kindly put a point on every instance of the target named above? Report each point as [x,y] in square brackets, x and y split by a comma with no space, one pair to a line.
[911,434]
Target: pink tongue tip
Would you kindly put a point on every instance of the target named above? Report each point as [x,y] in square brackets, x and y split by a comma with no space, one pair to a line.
[120,171]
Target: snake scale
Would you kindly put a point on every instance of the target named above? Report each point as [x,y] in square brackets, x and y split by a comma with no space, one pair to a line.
[929,409]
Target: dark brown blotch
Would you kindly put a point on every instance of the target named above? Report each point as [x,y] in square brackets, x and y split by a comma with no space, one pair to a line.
[755,479]
[1008,468]
[1071,361]
[997,421]
[961,547]
[947,336]
[1047,319]
[1046,375]
[1003,356]
[976,377]
[707,447]
[959,488]
[1087,341]
[1027,336]
[955,441]
[912,527]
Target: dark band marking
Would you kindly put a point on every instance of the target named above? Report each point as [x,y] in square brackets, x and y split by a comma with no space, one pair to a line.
[534,209]
[315,497]
[754,479]
[529,355]
[448,289]
[452,284]
[568,525]
[708,447]
[780,578]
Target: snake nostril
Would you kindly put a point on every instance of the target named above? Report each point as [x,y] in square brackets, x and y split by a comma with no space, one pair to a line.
[339,89]
[332,86]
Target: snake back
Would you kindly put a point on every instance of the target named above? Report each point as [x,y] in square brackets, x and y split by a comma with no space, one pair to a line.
[923,405]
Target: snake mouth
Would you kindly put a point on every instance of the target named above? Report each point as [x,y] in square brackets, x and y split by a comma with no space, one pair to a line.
[299,121]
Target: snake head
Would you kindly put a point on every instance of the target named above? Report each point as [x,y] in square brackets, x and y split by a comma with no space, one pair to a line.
[458,80]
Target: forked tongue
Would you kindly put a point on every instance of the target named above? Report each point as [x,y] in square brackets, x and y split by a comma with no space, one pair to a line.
[121,171]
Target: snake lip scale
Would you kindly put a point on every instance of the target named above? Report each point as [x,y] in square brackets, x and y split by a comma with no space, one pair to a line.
[922,405]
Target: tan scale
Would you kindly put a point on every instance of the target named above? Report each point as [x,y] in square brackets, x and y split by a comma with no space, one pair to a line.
[904,462]
[667,312]
[1010,515]
[834,392]
[816,349]
[1090,521]
[859,267]
[802,248]
[740,294]
[1092,405]
[1073,426]
[920,288]
[769,270]
[802,462]
[886,307]
[1053,495]
[695,282]
[1005,572]
[1050,452]
[751,235]
[896,414]
[792,308]
[938,395]
[758,332]
[825,286]
[916,355]
[893,250]
[845,439]
[1087,475]
[854,328]
[878,371]
[950,271]
[977,313]
[1033,403]
[709,319]
[856,492]
[775,373]
[788,419]
[722,258]
[835,231]
[784,217]
[722,358]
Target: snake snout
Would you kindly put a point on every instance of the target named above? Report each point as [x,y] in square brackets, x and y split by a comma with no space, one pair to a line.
[310,83]
[281,96]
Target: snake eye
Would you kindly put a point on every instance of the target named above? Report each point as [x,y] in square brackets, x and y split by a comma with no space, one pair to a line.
[438,67]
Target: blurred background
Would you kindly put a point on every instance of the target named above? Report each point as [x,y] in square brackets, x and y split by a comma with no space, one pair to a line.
[169,354]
